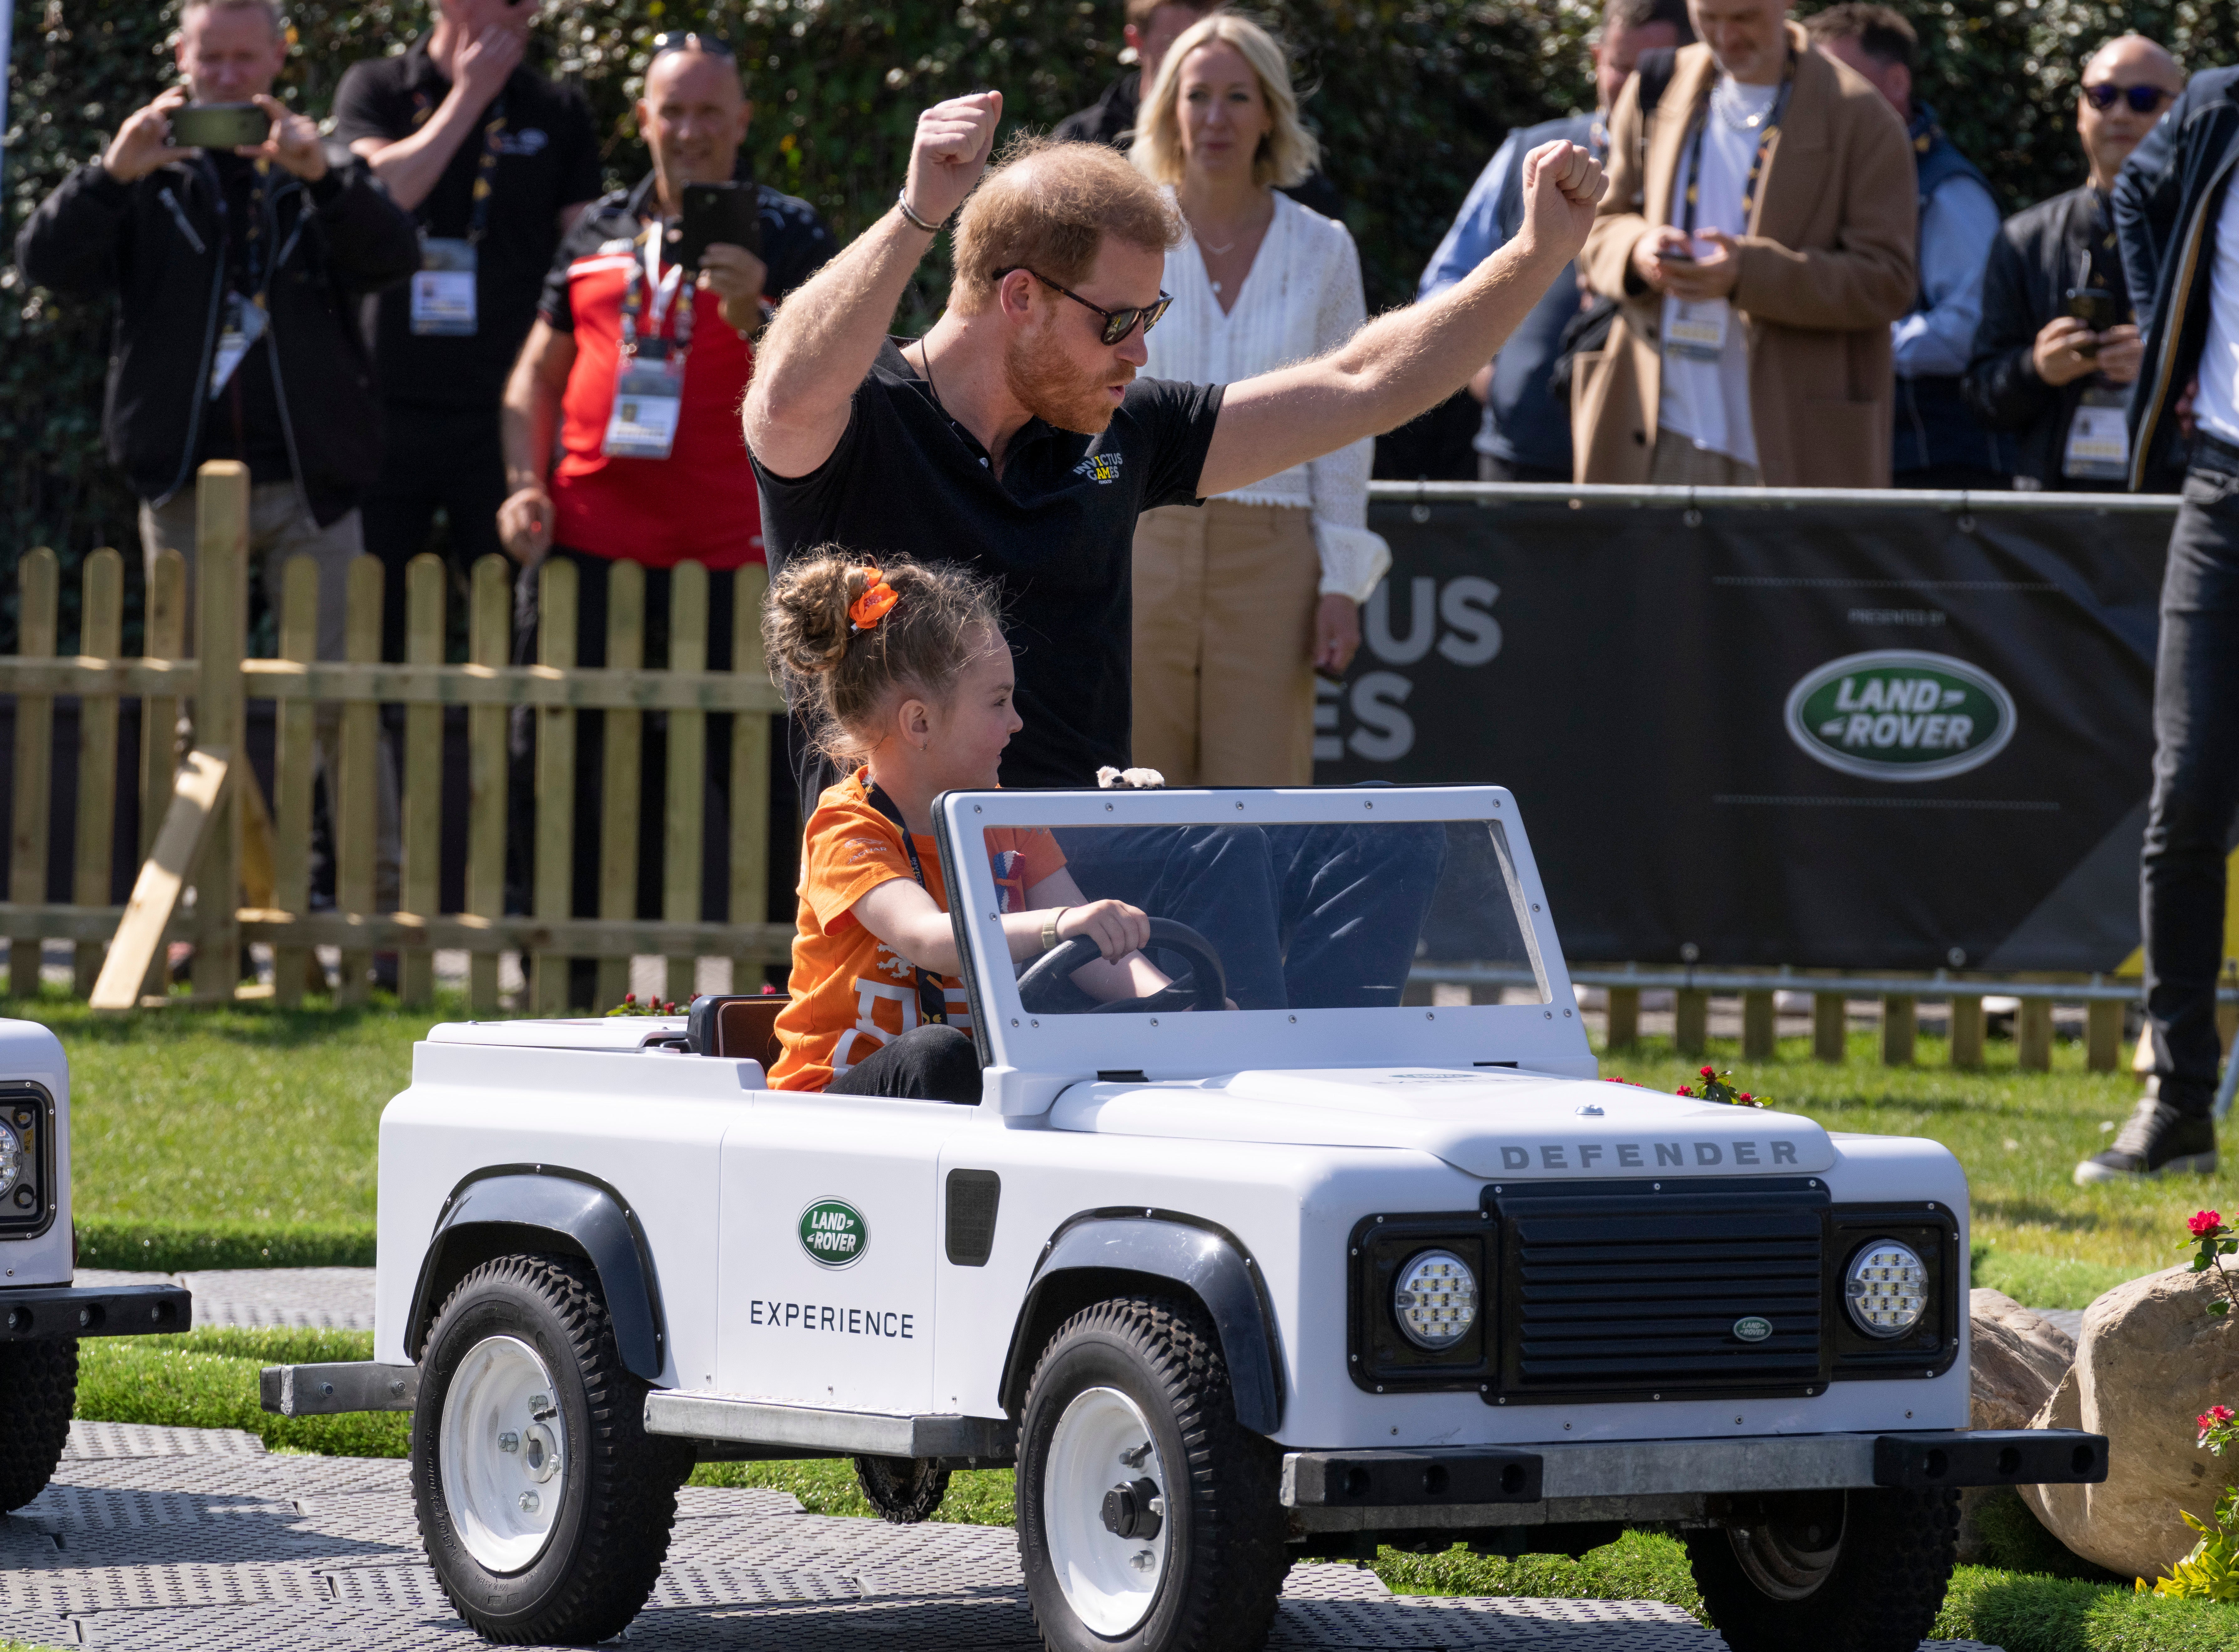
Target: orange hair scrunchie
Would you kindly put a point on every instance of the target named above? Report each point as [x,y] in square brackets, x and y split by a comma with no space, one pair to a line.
[877,600]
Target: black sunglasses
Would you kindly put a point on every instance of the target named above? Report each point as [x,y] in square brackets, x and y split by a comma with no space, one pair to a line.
[1118,323]
[2144,100]
[713,45]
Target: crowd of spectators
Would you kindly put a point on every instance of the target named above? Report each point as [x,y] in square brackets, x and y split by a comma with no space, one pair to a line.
[1795,278]
[1853,316]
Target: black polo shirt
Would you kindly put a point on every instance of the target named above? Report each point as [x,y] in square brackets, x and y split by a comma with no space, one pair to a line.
[547,159]
[1057,530]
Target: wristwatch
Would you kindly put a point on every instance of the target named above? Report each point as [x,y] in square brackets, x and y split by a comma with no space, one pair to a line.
[1049,927]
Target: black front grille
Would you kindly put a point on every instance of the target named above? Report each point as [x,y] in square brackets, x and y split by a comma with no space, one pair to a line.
[1637,1293]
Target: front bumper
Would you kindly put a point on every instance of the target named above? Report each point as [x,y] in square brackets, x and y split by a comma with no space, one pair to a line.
[51,1313]
[1396,1489]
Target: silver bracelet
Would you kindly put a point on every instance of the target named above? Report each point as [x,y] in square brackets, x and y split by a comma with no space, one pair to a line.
[901,199]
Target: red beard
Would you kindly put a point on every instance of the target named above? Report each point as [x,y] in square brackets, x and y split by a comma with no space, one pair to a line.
[1053,390]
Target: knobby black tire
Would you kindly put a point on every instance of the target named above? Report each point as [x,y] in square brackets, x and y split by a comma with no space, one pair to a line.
[612,1534]
[1882,1594]
[1230,1556]
[904,1490]
[39,1391]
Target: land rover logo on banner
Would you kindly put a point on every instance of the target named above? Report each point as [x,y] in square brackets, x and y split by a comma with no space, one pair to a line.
[834,1233]
[1899,715]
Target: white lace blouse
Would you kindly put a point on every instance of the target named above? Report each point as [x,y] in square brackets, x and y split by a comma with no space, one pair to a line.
[1302,296]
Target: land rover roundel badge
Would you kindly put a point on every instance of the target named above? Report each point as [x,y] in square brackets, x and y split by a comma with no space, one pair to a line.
[1901,715]
[1751,1328]
[834,1233]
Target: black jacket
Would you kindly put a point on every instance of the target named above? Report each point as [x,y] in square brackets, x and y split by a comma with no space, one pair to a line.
[2166,202]
[159,245]
[2039,256]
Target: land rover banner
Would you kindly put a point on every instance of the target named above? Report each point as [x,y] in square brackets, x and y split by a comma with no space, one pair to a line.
[1825,737]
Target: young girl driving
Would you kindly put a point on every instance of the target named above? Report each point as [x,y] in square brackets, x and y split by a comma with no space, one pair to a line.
[903,670]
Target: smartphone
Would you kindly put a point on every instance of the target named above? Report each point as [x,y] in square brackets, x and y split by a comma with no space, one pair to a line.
[1674,256]
[728,213]
[219,126]
[2093,306]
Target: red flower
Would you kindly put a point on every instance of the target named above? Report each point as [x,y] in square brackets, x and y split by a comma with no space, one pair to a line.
[1682,1091]
[1747,1096]
[1710,1072]
[2204,1222]
[2220,1413]
[629,998]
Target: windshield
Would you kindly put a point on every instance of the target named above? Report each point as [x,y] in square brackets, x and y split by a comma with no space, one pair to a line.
[1297,917]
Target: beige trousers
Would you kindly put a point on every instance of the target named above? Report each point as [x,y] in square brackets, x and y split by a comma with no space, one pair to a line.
[1679,463]
[1224,599]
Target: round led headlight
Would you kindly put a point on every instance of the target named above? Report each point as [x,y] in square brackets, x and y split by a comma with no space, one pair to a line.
[1436,1300]
[11,1158]
[1886,1289]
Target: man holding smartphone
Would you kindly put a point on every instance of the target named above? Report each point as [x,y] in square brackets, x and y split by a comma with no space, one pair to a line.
[1758,235]
[496,162]
[2057,351]
[634,370]
[238,273]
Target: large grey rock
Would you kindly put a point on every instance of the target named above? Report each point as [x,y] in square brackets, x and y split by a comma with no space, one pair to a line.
[2151,1358]
[2016,1358]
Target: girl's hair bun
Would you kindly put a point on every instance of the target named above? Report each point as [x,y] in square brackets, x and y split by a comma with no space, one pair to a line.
[839,676]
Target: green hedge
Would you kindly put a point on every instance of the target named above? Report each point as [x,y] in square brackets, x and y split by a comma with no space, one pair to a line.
[1413,96]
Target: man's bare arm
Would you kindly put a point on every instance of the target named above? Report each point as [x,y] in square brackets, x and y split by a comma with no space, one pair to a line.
[410,166]
[1405,362]
[825,335]
[529,419]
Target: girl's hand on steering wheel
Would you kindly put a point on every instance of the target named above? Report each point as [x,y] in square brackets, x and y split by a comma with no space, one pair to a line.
[1117,928]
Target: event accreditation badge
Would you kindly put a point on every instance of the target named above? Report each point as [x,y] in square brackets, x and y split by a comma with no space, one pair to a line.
[244,325]
[444,287]
[2098,447]
[648,396]
[1695,328]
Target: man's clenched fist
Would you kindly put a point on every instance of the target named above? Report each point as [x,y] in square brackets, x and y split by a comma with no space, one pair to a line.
[1563,184]
[953,141]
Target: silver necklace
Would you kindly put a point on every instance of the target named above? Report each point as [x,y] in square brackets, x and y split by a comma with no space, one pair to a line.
[1727,101]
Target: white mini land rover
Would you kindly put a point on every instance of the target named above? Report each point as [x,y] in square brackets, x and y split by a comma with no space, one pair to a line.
[1231,1288]
[43,1315]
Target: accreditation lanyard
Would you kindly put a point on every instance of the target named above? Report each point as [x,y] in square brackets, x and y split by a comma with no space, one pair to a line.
[444,298]
[649,379]
[932,1002]
[245,315]
[1756,161]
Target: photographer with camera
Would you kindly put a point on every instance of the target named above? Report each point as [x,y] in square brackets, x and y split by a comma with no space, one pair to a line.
[2057,349]
[497,163]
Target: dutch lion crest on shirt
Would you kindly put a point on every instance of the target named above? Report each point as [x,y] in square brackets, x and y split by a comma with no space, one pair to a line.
[1099,468]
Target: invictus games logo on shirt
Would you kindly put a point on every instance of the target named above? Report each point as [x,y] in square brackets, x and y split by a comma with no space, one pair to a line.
[834,1233]
[1100,467]
[1899,715]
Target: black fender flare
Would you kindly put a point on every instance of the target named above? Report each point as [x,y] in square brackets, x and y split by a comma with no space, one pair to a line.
[1205,1261]
[590,1217]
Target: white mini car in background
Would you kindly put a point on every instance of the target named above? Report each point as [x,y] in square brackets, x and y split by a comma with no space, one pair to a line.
[42,1315]
[1230,1287]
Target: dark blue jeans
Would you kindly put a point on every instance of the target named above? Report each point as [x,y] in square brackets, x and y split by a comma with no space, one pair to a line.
[1319,917]
[2196,800]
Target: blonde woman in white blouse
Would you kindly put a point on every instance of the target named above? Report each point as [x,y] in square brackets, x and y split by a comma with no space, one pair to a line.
[1238,602]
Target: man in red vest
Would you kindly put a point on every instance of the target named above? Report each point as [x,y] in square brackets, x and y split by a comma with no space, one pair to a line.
[633,374]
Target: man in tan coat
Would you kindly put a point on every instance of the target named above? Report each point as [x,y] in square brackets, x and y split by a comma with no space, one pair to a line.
[1759,232]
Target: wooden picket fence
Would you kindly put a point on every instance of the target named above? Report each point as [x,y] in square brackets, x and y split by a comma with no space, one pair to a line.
[206,828]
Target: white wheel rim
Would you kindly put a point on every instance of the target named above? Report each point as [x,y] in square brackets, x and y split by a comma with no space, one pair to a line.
[503,1453]
[1102,1441]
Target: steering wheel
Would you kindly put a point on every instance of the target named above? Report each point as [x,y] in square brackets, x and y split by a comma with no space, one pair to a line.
[1205,987]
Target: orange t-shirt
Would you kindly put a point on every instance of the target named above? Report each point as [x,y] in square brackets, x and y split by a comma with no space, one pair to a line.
[851,991]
